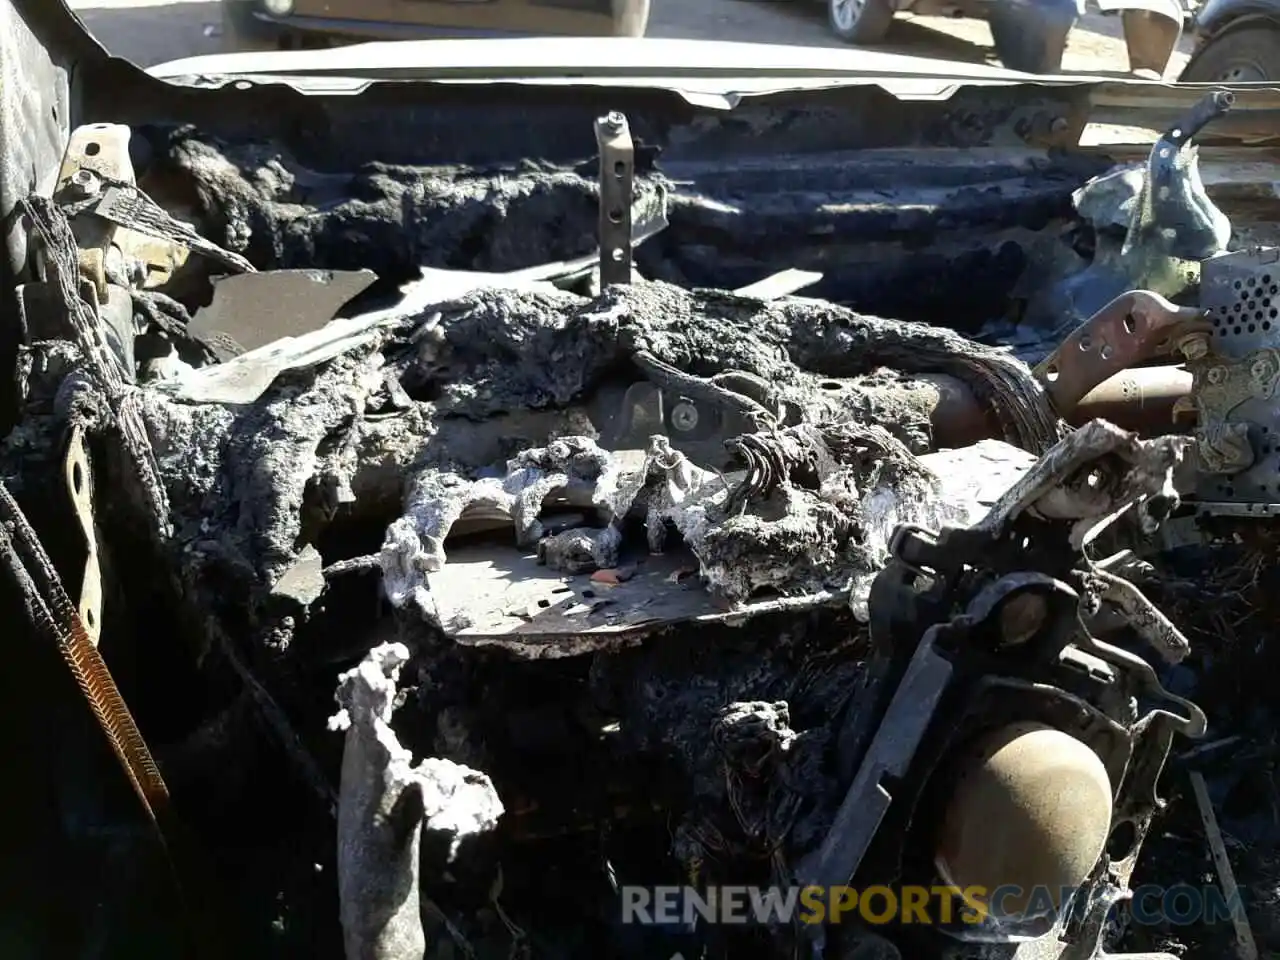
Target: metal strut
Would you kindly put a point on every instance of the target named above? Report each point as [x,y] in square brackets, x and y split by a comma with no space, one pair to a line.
[617,173]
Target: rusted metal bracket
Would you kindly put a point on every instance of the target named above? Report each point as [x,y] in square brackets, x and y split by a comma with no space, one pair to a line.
[1236,386]
[1222,386]
[1132,328]
[617,174]
[97,155]
[78,473]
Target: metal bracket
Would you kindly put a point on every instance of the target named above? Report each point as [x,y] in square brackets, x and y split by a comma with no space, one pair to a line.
[1236,373]
[894,746]
[1026,626]
[617,175]
[78,473]
[97,155]
[1130,329]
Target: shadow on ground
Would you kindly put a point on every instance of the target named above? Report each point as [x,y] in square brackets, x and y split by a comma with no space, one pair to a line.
[148,35]
[1095,47]
[801,24]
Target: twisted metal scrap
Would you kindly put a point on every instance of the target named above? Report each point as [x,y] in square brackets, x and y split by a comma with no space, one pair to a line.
[1090,478]
[805,454]
[1019,402]
[104,368]
[129,206]
[50,609]
[54,616]
[772,459]
[386,802]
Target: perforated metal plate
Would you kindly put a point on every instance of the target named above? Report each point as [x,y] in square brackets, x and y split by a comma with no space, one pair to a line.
[1241,292]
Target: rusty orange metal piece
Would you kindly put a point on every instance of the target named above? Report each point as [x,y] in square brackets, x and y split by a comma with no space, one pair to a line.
[1142,400]
[1132,329]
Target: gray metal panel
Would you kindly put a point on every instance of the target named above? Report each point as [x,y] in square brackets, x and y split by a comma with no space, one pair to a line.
[1241,292]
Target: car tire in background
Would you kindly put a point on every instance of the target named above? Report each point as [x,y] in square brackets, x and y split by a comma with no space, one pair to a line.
[860,21]
[1249,53]
[630,17]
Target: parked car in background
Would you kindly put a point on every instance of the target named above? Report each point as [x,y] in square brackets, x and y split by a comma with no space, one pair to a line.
[1029,35]
[1237,41]
[293,24]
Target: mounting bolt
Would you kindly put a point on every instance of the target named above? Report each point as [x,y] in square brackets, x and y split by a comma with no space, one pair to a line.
[85,182]
[684,416]
[1195,347]
[1184,410]
[614,120]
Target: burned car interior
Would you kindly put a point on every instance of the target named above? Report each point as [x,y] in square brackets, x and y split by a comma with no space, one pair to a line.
[434,510]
